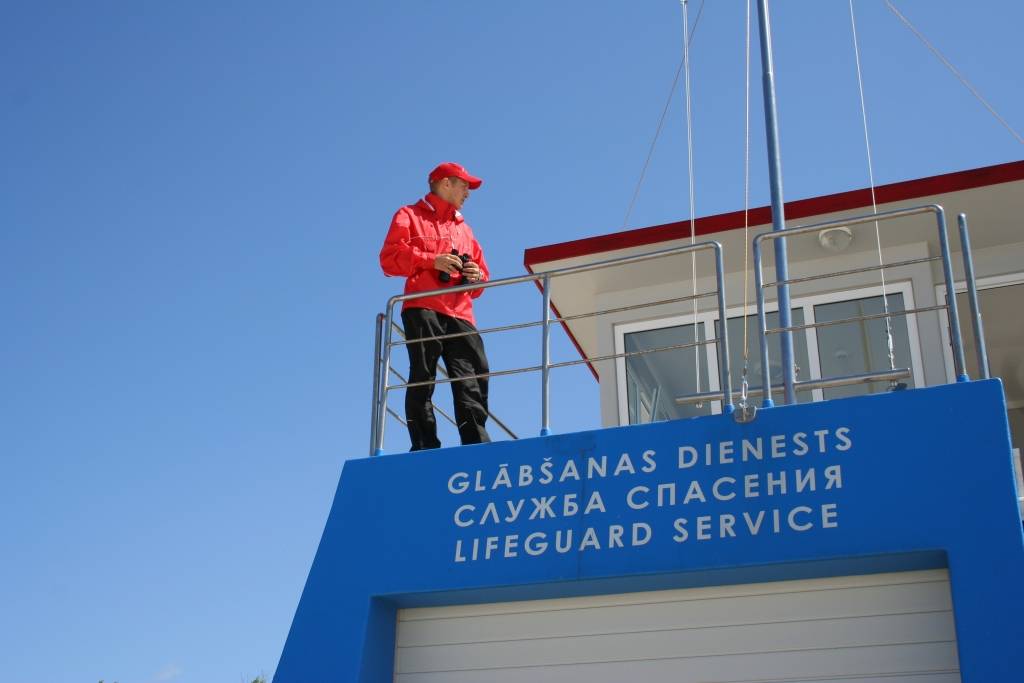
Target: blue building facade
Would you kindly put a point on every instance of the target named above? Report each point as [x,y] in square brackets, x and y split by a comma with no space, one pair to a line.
[897,481]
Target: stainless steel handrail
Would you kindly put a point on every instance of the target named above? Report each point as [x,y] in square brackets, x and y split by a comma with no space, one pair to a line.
[444,371]
[377,340]
[376,388]
[444,413]
[386,344]
[562,364]
[553,319]
[853,271]
[384,341]
[807,385]
[856,318]
[954,324]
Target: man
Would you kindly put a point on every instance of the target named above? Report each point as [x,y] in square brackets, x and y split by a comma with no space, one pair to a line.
[427,240]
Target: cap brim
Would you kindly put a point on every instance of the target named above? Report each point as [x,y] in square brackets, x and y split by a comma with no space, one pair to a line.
[473,182]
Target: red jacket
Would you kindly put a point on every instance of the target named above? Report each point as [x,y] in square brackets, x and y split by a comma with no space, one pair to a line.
[418,234]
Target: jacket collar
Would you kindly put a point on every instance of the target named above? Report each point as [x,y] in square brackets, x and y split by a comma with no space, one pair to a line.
[443,209]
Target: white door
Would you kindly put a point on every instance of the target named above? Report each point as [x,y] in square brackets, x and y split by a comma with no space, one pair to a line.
[880,628]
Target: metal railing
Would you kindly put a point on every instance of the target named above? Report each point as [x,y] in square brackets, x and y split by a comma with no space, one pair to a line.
[385,342]
[444,372]
[807,385]
[892,374]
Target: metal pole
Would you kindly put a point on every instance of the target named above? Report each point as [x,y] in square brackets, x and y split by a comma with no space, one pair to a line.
[972,297]
[778,212]
[762,326]
[725,378]
[956,340]
[385,364]
[545,355]
[376,383]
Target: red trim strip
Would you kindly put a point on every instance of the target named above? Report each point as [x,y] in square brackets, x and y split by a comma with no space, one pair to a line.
[802,208]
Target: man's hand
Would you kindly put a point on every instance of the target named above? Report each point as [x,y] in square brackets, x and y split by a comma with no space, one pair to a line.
[471,272]
[448,263]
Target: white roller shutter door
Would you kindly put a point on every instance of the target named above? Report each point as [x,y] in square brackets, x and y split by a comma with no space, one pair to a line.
[879,628]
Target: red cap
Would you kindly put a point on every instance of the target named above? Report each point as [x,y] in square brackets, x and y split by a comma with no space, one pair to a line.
[452,170]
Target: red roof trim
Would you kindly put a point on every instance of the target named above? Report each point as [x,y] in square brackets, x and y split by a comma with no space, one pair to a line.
[802,208]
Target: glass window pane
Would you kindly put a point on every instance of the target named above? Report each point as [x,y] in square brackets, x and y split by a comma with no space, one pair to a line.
[1004,336]
[654,380]
[861,346]
[735,328]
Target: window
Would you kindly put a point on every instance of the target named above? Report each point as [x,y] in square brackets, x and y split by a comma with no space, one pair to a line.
[861,346]
[735,327]
[999,298]
[650,383]
[654,379]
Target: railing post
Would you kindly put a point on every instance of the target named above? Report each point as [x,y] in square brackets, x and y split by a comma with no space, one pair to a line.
[374,418]
[725,378]
[545,355]
[956,340]
[972,297]
[762,326]
[385,365]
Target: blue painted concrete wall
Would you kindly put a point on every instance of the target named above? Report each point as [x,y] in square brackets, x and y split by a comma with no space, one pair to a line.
[904,480]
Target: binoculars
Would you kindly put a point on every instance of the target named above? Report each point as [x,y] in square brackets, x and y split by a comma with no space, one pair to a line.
[446,277]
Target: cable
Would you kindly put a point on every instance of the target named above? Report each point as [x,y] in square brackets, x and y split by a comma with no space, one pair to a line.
[661,121]
[871,180]
[955,72]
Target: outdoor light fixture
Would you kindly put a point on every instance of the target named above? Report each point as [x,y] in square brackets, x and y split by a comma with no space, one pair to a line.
[835,239]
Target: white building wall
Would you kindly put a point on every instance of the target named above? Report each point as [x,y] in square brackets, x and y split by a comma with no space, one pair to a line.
[999,260]
[891,628]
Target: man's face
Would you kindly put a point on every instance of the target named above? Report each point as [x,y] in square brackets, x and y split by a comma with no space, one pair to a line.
[455,191]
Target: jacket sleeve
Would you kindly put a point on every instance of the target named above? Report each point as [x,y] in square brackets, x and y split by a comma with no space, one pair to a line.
[399,255]
[478,258]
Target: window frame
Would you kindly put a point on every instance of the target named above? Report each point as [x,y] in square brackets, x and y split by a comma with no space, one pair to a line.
[622,329]
[806,304]
[959,287]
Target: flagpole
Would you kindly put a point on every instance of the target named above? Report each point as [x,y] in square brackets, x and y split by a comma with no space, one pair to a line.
[771,125]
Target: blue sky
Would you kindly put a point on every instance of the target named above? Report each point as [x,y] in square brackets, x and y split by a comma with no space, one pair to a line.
[192,199]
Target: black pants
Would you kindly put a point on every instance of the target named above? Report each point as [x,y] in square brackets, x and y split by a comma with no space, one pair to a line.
[463,357]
